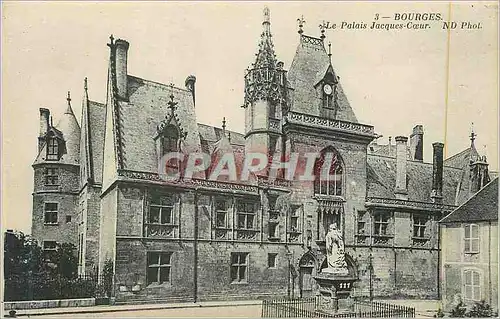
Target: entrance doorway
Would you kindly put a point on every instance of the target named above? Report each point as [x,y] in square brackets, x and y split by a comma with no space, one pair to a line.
[307,283]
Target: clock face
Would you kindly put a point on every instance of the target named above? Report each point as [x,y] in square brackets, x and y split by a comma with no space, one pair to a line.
[327,89]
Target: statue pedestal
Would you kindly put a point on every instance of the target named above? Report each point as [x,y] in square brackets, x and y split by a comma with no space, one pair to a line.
[335,286]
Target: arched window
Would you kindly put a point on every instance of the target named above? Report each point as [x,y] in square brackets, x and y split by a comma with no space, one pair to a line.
[52,149]
[328,173]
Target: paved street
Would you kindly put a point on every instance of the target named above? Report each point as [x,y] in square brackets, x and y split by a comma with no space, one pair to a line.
[241,309]
[246,311]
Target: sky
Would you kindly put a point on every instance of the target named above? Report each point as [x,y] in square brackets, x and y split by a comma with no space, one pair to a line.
[394,80]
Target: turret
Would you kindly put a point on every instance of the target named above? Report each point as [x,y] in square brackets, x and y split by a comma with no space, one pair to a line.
[478,165]
[265,95]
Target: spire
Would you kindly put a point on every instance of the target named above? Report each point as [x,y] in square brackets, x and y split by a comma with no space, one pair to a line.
[224,125]
[265,77]
[69,110]
[267,20]
[85,90]
[265,56]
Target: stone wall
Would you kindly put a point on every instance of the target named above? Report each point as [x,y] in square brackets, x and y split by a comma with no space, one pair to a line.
[65,195]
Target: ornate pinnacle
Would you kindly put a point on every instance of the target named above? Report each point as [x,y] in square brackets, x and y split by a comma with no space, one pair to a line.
[472,134]
[85,84]
[267,18]
[301,23]
[69,98]
[224,125]
[171,104]
[111,39]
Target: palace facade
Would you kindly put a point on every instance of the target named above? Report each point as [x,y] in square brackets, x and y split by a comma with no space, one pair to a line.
[97,185]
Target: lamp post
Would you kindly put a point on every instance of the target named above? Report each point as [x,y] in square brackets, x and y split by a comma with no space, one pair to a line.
[370,267]
[289,258]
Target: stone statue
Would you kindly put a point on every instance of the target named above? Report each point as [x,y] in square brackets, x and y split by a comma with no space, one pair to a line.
[335,253]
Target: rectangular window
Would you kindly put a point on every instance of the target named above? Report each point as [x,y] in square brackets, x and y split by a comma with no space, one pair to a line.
[50,213]
[161,210]
[381,224]
[273,230]
[51,176]
[294,223]
[271,260]
[239,267]
[246,215]
[472,285]
[49,245]
[221,213]
[68,218]
[419,224]
[159,267]
[52,149]
[471,239]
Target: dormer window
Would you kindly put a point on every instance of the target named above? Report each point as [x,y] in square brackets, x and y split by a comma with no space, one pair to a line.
[329,95]
[170,144]
[52,149]
[170,139]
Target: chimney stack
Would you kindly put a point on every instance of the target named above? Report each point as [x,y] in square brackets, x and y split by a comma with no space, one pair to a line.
[437,172]
[401,190]
[190,86]
[44,121]
[44,126]
[121,47]
[417,143]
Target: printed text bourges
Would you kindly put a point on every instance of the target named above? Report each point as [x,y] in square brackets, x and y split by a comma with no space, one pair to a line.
[401,21]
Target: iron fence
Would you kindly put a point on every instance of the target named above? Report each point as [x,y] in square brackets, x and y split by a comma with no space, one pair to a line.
[309,308]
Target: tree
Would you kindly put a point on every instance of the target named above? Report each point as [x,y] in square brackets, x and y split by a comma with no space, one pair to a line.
[30,273]
[481,310]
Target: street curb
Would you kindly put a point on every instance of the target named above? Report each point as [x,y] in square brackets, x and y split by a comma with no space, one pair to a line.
[48,312]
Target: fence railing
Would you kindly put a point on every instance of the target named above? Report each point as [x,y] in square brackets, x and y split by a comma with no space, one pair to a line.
[308,308]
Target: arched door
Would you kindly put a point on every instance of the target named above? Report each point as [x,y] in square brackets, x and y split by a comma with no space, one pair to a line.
[307,271]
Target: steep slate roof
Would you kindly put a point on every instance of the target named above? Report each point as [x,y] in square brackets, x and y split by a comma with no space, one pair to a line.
[381,179]
[97,120]
[139,117]
[483,206]
[209,135]
[460,159]
[309,64]
[69,130]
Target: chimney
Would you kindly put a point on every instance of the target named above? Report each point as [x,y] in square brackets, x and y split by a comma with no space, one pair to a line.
[417,143]
[437,172]
[44,127]
[44,121]
[401,191]
[190,86]
[121,47]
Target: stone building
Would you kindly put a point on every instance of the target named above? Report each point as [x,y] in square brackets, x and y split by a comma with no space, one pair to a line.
[469,253]
[202,239]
